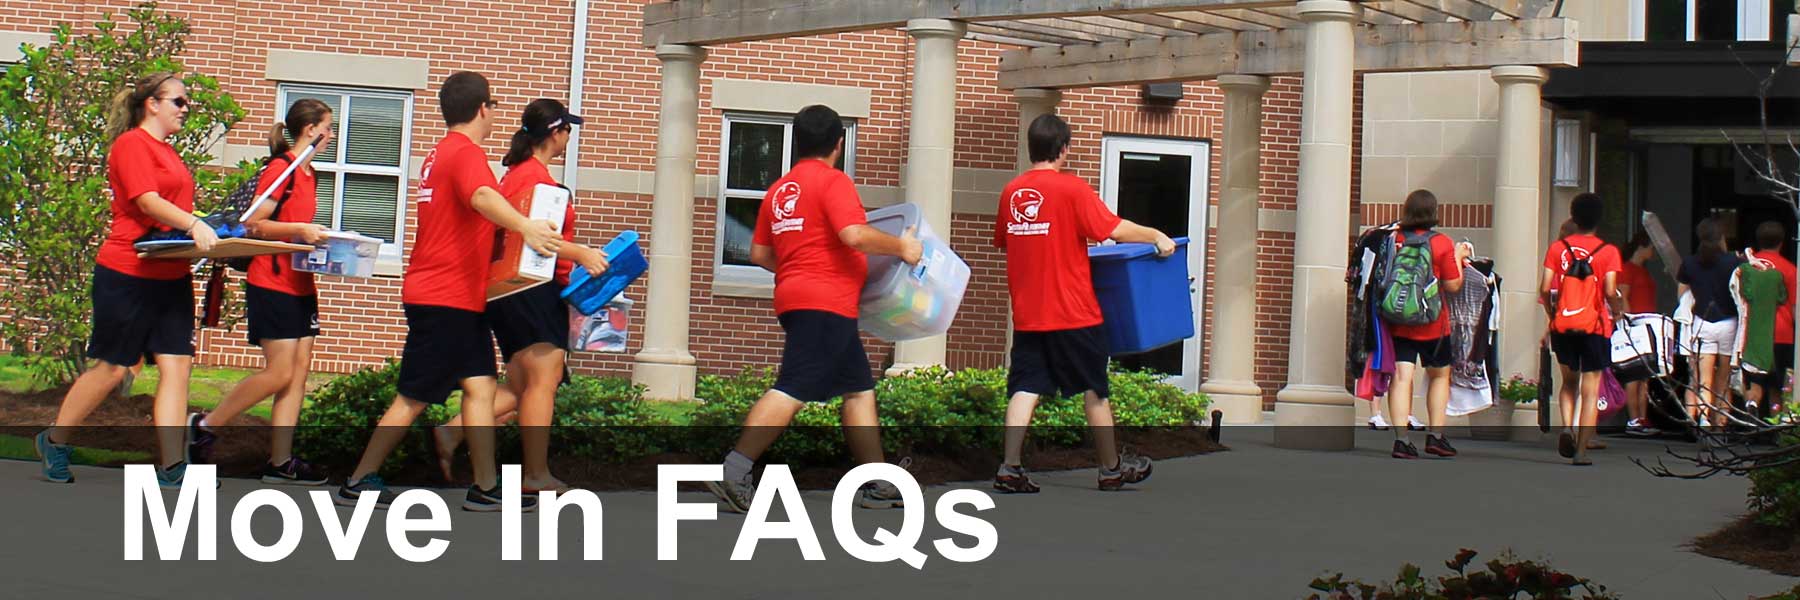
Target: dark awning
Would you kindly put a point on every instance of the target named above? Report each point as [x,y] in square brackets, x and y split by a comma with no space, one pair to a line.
[1678,82]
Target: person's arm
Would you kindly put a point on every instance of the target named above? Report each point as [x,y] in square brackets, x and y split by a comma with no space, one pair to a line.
[1544,294]
[539,235]
[1133,233]
[589,258]
[263,225]
[165,212]
[1615,295]
[763,256]
[869,240]
[1452,279]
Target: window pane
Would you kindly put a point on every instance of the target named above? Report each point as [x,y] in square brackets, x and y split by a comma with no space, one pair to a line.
[736,231]
[370,204]
[1778,19]
[754,159]
[1715,20]
[375,126]
[327,199]
[330,152]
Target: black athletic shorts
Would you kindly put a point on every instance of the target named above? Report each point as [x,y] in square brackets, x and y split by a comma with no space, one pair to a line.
[1430,354]
[136,318]
[279,315]
[444,346]
[534,316]
[1776,378]
[822,358]
[1054,364]
[1582,352]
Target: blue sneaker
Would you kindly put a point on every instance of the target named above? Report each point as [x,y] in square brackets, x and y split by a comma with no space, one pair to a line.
[349,493]
[55,458]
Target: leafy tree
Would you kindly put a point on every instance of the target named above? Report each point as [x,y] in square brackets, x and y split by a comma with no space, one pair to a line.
[54,201]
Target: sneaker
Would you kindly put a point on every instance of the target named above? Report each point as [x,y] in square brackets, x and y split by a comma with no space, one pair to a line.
[200,440]
[55,459]
[293,472]
[172,477]
[1013,480]
[735,494]
[349,493]
[480,500]
[1413,424]
[1635,427]
[1565,445]
[1377,423]
[1439,446]
[1132,468]
[1405,450]
[879,495]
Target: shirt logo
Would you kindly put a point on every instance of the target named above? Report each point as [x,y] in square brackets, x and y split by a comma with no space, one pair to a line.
[1575,252]
[786,202]
[425,176]
[1025,206]
[1572,312]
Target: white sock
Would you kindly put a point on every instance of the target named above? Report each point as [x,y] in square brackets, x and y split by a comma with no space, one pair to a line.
[737,467]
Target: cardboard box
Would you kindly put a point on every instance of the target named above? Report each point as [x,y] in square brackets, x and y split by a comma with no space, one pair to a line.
[517,267]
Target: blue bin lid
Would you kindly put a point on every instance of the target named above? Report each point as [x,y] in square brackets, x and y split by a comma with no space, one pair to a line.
[1119,252]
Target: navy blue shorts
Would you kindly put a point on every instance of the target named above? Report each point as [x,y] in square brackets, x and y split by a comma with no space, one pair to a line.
[279,315]
[1054,364]
[822,358]
[444,346]
[136,318]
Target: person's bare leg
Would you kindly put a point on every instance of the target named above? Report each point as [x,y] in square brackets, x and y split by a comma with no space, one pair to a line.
[446,438]
[862,428]
[1709,387]
[1637,401]
[1589,416]
[170,408]
[478,429]
[285,415]
[89,390]
[276,376]
[543,369]
[389,431]
[1018,422]
[1100,421]
[767,419]
[1569,396]
[1437,398]
[1399,398]
[1722,397]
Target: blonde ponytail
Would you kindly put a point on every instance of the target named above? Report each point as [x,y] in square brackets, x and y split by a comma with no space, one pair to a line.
[127,108]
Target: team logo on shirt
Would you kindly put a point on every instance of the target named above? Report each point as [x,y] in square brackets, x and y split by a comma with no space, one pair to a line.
[1573,252]
[786,202]
[1025,205]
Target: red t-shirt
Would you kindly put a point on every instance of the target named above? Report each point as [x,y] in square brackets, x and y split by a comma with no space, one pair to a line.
[1784,315]
[1045,221]
[1443,262]
[527,175]
[275,271]
[1641,298]
[138,164]
[454,244]
[1603,257]
[800,218]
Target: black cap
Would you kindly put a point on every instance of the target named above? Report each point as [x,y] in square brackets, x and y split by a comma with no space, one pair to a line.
[544,116]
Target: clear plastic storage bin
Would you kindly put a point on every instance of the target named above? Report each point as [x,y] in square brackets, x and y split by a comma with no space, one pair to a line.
[343,253]
[901,302]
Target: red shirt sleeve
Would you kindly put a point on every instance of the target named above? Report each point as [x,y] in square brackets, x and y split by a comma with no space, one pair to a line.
[843,207]
[568,229]
[469,171]
[1607,260]
[1096,220]
[266,180]
[1443,255]
[132,166]
[763,236]
[1000,215]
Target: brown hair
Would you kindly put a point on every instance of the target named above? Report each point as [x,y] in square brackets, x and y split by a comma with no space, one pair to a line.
[305,113]
[1566,229]
[1420,211]
[1712,241]
[127,107]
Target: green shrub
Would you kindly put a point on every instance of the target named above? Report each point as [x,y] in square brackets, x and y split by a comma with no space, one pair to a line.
[1507,577]
[1775,489]
[336,424]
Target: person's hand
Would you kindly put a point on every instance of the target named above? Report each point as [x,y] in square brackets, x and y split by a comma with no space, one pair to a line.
[593,261]
[204,236]
[912,251]
[1165,247]
[1464,250]
[541,236]
[313,233]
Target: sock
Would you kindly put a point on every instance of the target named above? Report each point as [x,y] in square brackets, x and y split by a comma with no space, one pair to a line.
[737,467]
[1006,469]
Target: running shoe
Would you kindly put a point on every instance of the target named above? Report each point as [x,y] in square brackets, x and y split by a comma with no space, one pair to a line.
[293,472]
[1013,480]
[200,440]
[879,495]
[349,493]
[1439,446]
[1636,427]
[1413,424]
[55,459]
[1405,450]
[735,494]
[1377,423]
[480,500]
[1132,468]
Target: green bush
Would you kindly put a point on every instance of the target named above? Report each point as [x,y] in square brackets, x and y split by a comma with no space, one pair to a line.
[336,425]
[1507,577]
[1775,489]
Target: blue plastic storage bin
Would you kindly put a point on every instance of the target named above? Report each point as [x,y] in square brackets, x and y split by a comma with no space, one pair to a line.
[625,263]
[1144,299]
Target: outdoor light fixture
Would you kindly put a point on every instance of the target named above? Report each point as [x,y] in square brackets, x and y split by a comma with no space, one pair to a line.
[1568,153]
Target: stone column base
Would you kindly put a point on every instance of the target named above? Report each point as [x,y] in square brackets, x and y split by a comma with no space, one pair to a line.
[665,381]
[1241,402]
[1307,426]
[1493,424]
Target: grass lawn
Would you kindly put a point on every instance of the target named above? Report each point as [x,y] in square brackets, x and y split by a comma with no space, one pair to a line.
[20,448]
[207,386]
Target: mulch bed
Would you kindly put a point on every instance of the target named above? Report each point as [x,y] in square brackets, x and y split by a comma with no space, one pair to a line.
[1750,543]
[240,452]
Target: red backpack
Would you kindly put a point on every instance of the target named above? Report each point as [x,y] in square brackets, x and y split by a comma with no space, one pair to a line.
[1580,298]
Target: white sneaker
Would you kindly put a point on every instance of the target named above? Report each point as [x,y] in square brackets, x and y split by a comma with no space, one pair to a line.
[1377,423]
[1413,423]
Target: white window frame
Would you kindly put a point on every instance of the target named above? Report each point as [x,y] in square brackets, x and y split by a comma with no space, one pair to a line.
[1115,148]
[390,260]
[1752,22]
[749,280]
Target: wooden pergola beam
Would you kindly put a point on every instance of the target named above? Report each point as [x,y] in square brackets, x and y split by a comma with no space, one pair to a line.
[706,22]
[1379,48]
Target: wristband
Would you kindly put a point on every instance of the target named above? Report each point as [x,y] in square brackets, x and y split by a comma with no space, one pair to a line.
[190,227]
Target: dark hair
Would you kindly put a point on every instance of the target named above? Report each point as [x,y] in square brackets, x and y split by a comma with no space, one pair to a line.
[127,107]
[817,131]
[462,96]
[1420,210]
[1586,210]
[305,113]
[534,130]
[1769,235]
[1712,241]
[1566,229]
[1048,138]
[1639,241]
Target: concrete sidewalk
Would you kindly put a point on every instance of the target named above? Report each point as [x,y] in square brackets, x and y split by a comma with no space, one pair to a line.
[1256,522]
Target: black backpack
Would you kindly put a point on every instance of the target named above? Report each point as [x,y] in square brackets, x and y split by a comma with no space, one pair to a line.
[239,201]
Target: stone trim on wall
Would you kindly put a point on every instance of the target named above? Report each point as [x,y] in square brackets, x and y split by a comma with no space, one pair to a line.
[358,70]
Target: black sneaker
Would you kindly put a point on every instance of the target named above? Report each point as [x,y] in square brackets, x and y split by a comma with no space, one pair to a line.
[200,440]
[1439,446]
[1405,450]
[293,472]
[1013,480]
[480,500]
[350,492]
[1565,445]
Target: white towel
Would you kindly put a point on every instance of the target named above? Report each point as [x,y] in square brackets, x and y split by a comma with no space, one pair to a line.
[1467,401]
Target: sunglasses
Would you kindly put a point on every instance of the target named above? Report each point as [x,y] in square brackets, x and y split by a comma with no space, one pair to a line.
[178,101]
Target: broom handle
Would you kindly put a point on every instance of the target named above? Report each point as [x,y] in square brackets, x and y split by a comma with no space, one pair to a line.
[304,153]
